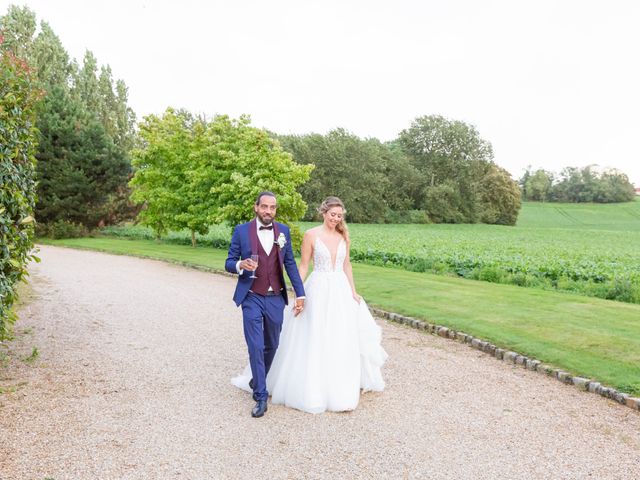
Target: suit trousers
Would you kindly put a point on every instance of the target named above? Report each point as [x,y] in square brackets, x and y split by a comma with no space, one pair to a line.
[262,320]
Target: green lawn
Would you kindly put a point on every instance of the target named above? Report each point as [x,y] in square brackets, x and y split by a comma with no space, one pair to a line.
[589,337]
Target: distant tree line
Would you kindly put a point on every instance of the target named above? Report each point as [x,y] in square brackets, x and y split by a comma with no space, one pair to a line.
[86,129]
[576,185]
[438,170]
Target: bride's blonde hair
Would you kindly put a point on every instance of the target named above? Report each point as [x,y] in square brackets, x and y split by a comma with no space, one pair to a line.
[328,204]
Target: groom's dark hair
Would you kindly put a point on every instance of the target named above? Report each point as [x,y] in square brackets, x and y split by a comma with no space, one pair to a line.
[265,193]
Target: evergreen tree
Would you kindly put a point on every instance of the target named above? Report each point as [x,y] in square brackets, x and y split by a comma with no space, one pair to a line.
[95,153]
[78,163]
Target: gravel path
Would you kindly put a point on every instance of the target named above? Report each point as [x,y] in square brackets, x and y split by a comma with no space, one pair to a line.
[132,382]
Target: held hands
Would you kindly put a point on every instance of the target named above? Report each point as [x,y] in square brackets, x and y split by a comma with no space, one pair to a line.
[299,306]
[357,297]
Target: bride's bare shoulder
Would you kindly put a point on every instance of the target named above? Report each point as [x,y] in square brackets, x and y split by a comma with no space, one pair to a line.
[312,233]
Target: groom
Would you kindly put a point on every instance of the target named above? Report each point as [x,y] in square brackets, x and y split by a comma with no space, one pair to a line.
[263,298]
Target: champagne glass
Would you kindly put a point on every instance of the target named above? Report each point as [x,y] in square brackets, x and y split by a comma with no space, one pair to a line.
[254,259]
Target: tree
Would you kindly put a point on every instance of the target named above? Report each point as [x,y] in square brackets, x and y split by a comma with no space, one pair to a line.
[538,185]
[359,172]
[87,85]
[588,185]
[160,181]
[191,173]
[444,149]
[19,96]
[78,164]
[451,159]
[499,197]
[238,162]
[51,60]
[615,187]
[90,101]
[18,27]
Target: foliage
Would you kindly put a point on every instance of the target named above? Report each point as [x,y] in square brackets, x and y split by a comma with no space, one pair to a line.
[239,162]
[18,142]
[217,237]
[458,181]
[191,173]
[579,185]
[591,250]
[536,186]
[364,174]
[499,197]
[79,164]
[61,229]
[161,164]
[84,111]
[452,161]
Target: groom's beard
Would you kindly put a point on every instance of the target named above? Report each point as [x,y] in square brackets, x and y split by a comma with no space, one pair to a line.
[266,220]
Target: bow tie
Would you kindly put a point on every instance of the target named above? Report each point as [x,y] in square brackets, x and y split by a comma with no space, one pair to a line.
[262,227]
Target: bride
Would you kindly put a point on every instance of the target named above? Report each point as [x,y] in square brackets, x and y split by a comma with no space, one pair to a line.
[332,349]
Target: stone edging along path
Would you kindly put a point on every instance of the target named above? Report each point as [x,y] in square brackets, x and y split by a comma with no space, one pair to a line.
[507,356]
[513,358]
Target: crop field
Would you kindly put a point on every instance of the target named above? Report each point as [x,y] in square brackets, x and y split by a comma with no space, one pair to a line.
[589,249]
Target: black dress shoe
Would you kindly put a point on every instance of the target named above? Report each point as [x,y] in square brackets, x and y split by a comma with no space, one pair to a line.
[259,409]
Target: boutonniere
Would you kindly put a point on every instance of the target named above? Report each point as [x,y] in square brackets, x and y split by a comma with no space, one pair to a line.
[281,241]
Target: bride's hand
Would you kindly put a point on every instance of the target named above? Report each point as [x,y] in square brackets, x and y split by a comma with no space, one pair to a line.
[357,297]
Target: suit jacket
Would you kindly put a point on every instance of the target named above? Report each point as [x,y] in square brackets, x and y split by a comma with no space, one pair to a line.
[244,242]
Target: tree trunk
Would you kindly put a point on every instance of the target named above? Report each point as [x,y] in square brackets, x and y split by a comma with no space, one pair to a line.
[193,239]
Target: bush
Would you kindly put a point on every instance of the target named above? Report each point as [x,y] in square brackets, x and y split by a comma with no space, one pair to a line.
[407,216]
[490,273]
[18,141]
[62,229]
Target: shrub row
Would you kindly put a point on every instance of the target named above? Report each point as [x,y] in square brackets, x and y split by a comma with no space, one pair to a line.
[18,98]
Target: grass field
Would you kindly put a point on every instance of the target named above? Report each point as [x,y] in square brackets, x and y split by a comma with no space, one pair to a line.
[589,337]
[589,249]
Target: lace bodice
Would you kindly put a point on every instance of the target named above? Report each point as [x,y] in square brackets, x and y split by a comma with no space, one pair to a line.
[322,257]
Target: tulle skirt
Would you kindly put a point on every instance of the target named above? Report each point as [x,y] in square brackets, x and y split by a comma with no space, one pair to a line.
[327,353]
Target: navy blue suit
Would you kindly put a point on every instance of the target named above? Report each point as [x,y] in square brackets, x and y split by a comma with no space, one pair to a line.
[262,315]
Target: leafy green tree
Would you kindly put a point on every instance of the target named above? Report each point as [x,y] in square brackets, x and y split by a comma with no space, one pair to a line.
[587,185]
[87,85]
[367,175]
[162,140]
[18,26]
[444,149]
[443,203]
[162,167]
[452,161]
[18,142]
[191,173]
[238,162]
[538,185]
[50,59]
[499,197]
[615,187]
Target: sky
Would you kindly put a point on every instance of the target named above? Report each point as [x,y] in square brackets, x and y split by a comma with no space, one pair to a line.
[549,83]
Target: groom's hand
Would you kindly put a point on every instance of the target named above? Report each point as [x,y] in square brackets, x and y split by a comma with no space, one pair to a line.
[248,264]
[298,307]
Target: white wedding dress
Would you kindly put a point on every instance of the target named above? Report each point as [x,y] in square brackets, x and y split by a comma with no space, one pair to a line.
[328,352]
